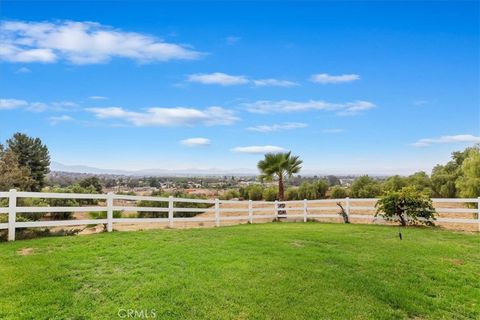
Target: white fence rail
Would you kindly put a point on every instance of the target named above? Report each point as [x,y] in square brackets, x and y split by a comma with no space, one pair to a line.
[301,209]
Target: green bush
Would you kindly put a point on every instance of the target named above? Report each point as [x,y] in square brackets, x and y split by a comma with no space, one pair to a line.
[59,202]
[103,214]
[230,194]
[270,194]
[252,192]
[292,194]
[164,204]
[338,192]
[314,190]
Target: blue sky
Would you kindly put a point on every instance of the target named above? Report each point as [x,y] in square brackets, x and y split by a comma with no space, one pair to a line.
[350,87]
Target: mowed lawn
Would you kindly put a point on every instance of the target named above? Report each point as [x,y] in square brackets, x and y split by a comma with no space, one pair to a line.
[264,271]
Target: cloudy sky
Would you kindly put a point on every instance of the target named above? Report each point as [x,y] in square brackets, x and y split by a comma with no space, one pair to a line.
[349,87]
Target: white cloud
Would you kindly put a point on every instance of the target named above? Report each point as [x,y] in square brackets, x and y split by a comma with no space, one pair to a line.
[59,119]
[342,109]
[278,127]
[6,104]
[97,98]
[336,130]
[168,116]
[230,40]
[82,43]
[196,142]
[37,106]
[461,138]
[217,78]
[224,79]
[274,83]
[325,78]
[23,70]
[259,149]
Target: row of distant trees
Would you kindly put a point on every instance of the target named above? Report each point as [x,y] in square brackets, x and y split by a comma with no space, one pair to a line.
[460,177]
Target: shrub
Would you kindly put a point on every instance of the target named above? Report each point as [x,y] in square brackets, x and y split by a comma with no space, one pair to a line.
[230,194]
[321,187]
[164,204]
[408,204]
[292,194]
[254,192]
[270,194]
[339,192]
[32,202]
[103,214]
[59,202]
[307,191]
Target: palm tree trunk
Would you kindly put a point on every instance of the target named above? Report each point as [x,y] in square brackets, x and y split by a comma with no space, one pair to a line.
[281,189]
[281,195]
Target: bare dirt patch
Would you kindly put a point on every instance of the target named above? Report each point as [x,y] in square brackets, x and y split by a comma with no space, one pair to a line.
[298,244]
[457,262]
[25,251]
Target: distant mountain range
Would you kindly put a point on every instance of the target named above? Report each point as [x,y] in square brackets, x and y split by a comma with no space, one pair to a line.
[57,166]
[60,167]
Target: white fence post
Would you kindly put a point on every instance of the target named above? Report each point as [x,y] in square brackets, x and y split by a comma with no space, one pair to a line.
[170,211]
[305,210]
[12,204]
[110,211]
[217,213]
[478,213]
[276,210]
[347,209]
[250,211]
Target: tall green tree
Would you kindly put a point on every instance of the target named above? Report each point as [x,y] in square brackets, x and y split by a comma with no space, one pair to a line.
[468,183]
[32,154]
[449,180]
[279,166]
[394,183]
[365,187]
[421,181]
[12,175]
[443,180]
[93,182]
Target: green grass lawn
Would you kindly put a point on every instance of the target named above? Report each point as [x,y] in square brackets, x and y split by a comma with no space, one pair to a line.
[263,271]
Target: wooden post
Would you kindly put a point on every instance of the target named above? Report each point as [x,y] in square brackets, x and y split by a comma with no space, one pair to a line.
[170,211]
[276,210]
[347,207]
[12,204]
[110,211]
[250,211]
[217,213]
[305,210]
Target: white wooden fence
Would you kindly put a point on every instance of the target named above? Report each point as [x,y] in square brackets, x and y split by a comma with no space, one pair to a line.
[305,209]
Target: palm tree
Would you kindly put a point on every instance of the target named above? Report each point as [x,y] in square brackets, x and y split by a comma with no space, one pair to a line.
[279,166]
